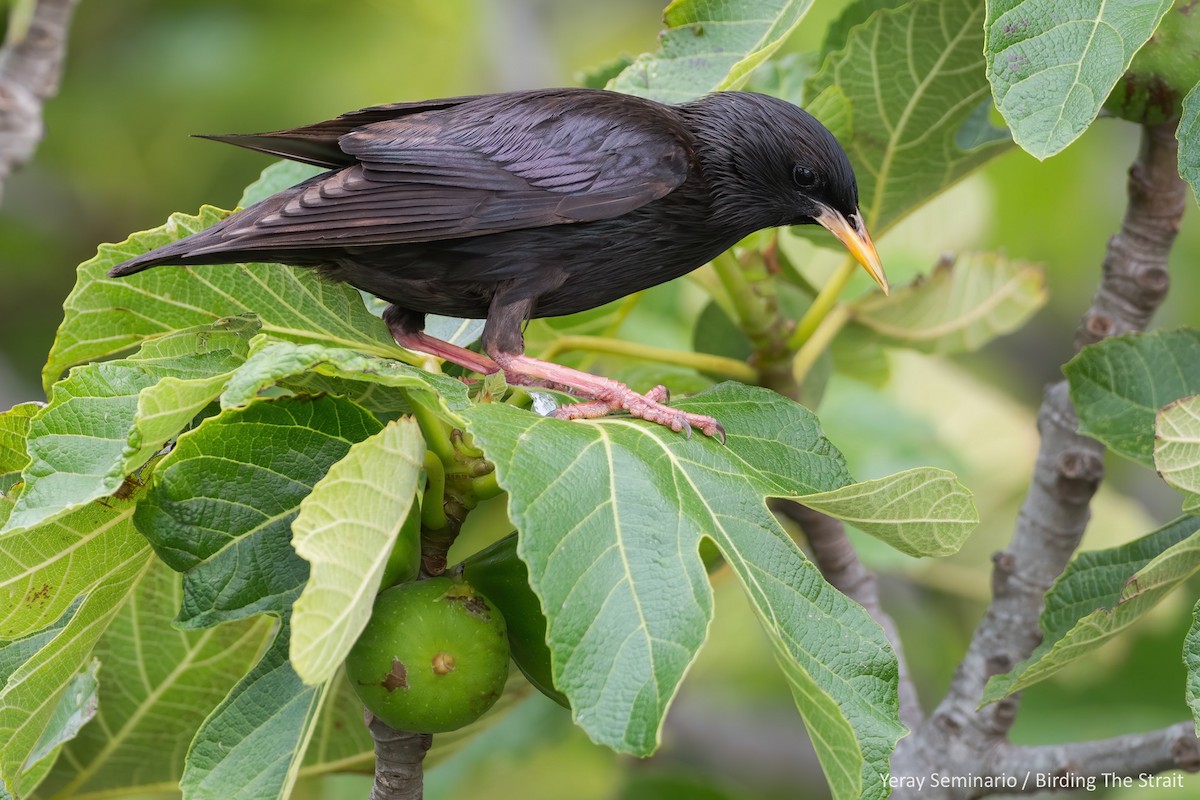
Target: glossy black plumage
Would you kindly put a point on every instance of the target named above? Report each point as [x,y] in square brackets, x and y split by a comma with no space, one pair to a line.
[532,204]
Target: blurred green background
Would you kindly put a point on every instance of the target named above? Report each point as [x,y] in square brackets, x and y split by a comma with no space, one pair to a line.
[143,75]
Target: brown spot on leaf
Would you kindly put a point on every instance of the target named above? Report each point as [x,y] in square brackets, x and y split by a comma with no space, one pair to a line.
[38,595]
[397,678]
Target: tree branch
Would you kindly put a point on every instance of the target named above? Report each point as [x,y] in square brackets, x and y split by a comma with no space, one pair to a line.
[1128,756]
[838,561]
[958,737]
[31,64]
[399,755]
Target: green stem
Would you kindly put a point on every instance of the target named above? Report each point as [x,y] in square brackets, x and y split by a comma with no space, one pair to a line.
[433,515]
[433,428]
[752,291]
[820,339]
[746,303]
[822,304]
[486,486]
[705,362]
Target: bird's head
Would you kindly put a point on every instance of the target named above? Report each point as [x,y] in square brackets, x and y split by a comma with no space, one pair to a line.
[773,164]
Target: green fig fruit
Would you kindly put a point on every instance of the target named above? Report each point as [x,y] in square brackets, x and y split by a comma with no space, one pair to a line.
[498,571]
[1163,71]
[433,657]
[404,562]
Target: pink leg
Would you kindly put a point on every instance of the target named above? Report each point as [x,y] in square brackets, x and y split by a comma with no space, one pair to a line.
[423,343]
[605,395]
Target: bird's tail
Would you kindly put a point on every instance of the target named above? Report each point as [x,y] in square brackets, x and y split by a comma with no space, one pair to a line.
[173,253]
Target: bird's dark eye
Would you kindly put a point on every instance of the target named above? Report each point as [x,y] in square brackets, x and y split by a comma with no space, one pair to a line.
[804,177]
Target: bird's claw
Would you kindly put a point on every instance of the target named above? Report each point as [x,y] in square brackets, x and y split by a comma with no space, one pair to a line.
[648,407]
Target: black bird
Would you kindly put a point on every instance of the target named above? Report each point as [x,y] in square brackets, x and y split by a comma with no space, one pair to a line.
[535,204]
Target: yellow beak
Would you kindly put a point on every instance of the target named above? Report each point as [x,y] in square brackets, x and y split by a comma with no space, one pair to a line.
[853,234]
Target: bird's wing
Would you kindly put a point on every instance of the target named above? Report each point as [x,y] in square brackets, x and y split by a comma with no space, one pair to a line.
[317,144]
[503,163]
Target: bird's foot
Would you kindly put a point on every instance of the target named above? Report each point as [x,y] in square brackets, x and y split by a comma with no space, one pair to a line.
[604,396]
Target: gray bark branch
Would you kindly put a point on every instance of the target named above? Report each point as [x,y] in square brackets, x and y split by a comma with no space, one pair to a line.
[958,738]
[399,761]
[31,65]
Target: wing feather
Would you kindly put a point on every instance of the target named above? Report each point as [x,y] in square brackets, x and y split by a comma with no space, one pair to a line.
[484,165]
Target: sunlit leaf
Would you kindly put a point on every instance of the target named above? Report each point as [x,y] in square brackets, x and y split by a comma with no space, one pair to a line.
[1053,64]
[911,103]
[1099,595]
[709,45]
[921,512]
[1119,384]
[960,307]
[106,420]
[29,698]
[345,530]
[14,433]
[44,569]
[76,707]
[144,725]
[1177,445]
[103,315]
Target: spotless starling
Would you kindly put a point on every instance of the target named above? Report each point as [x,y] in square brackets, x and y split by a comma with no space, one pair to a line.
[535,204]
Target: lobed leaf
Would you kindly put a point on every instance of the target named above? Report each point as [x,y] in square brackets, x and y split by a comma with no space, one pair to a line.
[709,45]
[1053,64]
[921,512]
[106,420]
[345,530]
[221,504]
[612,513]
[78,696]
[32,692]
[1119,384]
[919,111]
[1100,594]
[46,568]
[103,316]
[960,307]
[251,746]
[157,686]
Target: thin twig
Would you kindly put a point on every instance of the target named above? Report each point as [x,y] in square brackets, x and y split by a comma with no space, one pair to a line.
[958,737]
[30,68]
